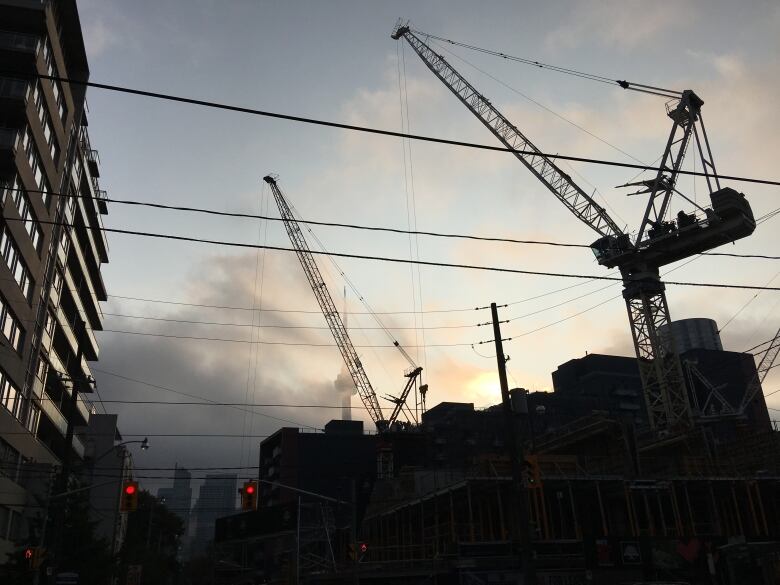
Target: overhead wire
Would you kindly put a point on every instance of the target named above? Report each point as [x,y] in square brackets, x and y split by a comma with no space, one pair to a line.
[302,221]
[388,259]
[367,129]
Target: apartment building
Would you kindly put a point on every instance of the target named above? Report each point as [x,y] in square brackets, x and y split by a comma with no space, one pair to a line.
[52,249]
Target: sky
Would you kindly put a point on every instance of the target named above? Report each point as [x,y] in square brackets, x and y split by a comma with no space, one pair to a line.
[336,61]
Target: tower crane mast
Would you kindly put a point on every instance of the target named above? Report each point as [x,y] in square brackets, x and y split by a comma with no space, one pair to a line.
[336,325]
[730,218]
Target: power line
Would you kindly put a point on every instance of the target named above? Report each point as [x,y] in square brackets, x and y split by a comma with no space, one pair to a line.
[268,326]
[377,131]
[407,261]
[190,395]
[264,342]
[449,235]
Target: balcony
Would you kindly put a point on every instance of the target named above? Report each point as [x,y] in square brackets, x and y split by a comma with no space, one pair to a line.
[14,90]
[9,142]
[18,42]
[93,161]
[58,420]
[101,196]
[18,51]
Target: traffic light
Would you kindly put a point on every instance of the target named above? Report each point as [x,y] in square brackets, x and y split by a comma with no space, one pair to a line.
[249,495]
[128,501]
[34,556]
[358,551]
[531,472]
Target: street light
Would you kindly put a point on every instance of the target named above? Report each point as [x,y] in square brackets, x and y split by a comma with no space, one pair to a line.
[144,447]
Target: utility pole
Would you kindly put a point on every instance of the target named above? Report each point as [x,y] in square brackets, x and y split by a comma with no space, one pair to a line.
[521,527]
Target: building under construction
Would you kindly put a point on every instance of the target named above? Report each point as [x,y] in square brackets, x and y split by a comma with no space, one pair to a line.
[660,468]
[607,501]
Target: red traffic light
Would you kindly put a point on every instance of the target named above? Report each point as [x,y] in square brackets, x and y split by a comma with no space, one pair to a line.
[250,489]
[363,547]
[130,489]
[28,553]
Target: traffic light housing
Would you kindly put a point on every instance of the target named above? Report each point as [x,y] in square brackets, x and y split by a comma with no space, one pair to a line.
[249,496]
[34,556]
[532,475]
[357,551]
[128,500]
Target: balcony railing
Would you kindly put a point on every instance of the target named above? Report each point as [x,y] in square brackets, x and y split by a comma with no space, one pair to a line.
[14,89]
[16,41]
[9,138]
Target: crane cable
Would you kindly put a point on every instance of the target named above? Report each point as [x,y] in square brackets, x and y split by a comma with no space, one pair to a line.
[411,220]
[640,87]
[557,115]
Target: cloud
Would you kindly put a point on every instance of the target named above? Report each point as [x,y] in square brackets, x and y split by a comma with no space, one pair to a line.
[625,24]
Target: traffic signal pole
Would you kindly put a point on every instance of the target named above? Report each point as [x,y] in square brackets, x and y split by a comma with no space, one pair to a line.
[521,526]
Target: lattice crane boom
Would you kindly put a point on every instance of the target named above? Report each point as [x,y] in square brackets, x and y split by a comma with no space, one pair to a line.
[351,358]
[558,182]
[766,363]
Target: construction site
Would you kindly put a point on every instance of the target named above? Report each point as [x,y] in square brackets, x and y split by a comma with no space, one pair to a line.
[662,468]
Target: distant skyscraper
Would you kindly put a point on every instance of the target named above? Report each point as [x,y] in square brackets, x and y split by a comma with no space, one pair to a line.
[216,498]
[690,334]
[178,499]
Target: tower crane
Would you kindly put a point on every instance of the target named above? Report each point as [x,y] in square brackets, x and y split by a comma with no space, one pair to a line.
[659,241]
[336,325]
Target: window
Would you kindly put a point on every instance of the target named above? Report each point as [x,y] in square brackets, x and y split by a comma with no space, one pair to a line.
[10,397]
[9,459]
[33,419]
[34,160]
[15,263]
[10,327]
[56,87]
[50,322]
[57,280]
[24,207]
[48,130]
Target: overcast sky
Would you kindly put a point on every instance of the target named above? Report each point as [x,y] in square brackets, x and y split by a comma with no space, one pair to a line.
[336,60]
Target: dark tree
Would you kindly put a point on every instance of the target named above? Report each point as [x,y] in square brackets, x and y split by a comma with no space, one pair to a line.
[152,541]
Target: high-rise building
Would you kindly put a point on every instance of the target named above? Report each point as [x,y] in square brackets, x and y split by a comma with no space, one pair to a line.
[216,498]
[698,333]
[52,249]
[178,499]
[108,464]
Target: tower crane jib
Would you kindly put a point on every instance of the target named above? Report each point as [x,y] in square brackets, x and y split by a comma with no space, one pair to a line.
[336,325]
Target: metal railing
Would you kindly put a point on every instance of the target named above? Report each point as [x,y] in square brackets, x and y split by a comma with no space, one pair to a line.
[16,41]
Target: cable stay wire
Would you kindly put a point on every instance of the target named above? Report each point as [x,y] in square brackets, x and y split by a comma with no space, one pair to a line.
[394,260]
[375,131]
[667,93]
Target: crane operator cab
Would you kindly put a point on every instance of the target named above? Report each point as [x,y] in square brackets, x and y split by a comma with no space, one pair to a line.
[729,219]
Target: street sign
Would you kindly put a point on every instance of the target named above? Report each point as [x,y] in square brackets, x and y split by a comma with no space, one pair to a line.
[67,579]
[133,575]
[630,553]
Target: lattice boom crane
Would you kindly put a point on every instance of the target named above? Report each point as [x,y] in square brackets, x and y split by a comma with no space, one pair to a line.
[351,358]
[659,241]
